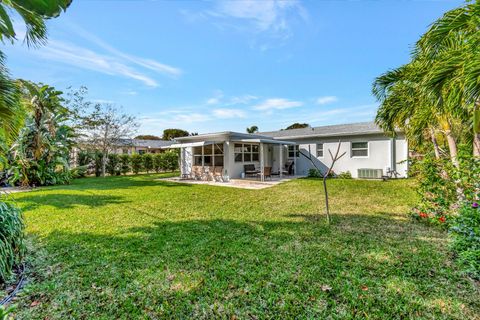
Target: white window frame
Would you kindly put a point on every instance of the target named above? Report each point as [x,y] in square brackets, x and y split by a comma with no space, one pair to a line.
[317,149]
[352,149]
[243,152]
[295,153]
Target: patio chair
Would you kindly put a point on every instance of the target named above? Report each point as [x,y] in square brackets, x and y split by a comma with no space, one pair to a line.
[267,173]
[196,173]
[249,170]
[218,174]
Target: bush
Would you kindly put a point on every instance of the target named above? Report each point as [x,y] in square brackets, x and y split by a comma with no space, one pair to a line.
[158,162]
[12,247]
[113,164]
[345,175]
[85,159]
[465,232]
[124,163]
[137,163]
[171,160]
[314,173]
[98,163]
[148,162]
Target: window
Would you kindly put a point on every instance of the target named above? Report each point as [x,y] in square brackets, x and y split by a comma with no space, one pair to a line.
[212,155]
[319,150]
[291,153]
[246,152]
[141,152]
[359,149]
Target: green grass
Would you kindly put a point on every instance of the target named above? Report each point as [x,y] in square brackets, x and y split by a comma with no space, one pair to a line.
[134,247]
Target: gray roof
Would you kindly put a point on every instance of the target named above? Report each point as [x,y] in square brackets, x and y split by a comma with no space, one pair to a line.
[156,144]
[327,131]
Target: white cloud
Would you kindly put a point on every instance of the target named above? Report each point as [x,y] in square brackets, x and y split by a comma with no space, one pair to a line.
[146,63]
[228,113]
[129,92]
[326,100]
[266,15]
[191,117]
[277,104]
[88,59]
[245,99]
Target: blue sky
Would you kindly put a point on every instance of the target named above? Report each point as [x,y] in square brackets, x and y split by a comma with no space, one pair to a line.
[208,66]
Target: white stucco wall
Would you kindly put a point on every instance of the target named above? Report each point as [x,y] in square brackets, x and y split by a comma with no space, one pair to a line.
[379,154]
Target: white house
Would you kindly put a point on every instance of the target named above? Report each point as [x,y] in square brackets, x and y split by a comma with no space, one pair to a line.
[369,153]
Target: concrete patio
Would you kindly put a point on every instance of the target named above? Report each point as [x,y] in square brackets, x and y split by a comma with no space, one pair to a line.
[252,184]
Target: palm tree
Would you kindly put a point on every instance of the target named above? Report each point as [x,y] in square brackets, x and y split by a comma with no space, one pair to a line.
[252,129]
[454,42]
[409,104]
[34,14]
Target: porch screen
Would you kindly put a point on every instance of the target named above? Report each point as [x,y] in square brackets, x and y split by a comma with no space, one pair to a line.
[212,155]
[246,152]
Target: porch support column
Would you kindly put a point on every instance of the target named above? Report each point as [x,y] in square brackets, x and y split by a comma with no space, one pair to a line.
[294,160]
[281,160]
[262,163]
[182,162]
[203,157]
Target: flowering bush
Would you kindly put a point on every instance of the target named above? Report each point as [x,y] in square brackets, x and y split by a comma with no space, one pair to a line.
[465,232]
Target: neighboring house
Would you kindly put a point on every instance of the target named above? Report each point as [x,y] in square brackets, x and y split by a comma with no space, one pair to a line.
[369,152]
[130,146]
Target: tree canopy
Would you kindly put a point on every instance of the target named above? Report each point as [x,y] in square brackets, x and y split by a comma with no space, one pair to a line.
[147,137]
[169,134]
[297,125]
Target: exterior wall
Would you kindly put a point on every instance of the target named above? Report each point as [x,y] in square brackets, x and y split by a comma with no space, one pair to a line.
[379,154]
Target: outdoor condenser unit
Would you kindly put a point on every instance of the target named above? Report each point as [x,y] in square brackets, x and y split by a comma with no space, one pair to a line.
[370,173]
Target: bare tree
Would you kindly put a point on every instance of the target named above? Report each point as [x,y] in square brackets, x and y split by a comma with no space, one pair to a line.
[334,158]
[105,127]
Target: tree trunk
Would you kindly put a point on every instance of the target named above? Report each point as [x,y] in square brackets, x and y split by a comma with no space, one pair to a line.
[104,163]
[435,143]
[476,129]
[476,145]
[452,146]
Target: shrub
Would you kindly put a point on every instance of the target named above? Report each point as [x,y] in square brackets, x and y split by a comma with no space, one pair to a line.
[85,159]
[137,163]
[435,188]
[113,164]
[345,175]
[314,173]
[171,160]
[124,163]
[158,162]
[98,163]
[148,162]
[465,232]
[12,247]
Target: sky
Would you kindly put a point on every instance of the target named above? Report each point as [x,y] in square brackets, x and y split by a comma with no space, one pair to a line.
[208,66]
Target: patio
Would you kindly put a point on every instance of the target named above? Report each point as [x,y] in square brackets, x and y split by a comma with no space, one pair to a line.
[248,183]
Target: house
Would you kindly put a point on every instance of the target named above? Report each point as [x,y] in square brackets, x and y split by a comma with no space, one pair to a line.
[369,153]
[130,146]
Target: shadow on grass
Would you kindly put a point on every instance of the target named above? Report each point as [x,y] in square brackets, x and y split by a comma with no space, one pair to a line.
[226,268]
[66,201]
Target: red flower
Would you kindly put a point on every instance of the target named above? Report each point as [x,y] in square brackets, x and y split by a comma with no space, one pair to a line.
[423,215]
[442,219]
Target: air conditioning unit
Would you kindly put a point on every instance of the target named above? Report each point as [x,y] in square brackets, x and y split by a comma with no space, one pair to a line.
[370,173]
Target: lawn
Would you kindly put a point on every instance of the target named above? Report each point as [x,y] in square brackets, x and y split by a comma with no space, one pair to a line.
[135,247]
